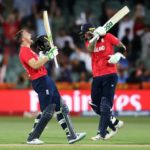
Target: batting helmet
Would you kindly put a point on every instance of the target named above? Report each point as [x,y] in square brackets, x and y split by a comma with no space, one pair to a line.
[85,28]
[42,43]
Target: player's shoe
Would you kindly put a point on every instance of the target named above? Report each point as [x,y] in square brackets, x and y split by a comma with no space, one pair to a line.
[79,136]
[35,142]
[98,137]
[107,136]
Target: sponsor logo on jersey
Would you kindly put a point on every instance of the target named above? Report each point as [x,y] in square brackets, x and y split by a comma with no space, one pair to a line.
[101,48]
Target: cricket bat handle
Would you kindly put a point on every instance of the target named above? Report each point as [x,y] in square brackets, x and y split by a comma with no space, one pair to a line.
[56,63]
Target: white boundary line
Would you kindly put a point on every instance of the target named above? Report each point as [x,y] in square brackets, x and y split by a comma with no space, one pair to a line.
[77,145]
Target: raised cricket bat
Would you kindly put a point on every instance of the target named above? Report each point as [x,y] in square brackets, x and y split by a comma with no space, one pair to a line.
[49,33]
[113,20]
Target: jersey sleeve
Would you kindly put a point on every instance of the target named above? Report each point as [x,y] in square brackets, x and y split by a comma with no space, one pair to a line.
[27,55]
[113,40]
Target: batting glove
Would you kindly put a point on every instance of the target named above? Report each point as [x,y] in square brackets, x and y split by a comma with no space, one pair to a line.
[53,52]
[115,58]
[99,31]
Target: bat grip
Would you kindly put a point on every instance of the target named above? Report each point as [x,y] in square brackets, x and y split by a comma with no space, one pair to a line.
[94,38]
[56,63]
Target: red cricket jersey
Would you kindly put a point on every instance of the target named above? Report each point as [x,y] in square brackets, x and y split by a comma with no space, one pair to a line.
[100,55]
[25,55]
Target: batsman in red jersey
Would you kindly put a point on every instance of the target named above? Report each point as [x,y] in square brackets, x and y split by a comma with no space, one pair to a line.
[105,78]
[49,98]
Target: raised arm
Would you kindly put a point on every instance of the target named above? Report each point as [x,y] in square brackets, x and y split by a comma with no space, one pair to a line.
[91,46]
[36,64]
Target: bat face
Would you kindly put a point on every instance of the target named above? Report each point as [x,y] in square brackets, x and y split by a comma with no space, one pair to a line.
[116,18]
[108,26]
[47,27]
[49,33]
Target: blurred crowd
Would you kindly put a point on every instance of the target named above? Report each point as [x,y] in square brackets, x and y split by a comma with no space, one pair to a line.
[66,17]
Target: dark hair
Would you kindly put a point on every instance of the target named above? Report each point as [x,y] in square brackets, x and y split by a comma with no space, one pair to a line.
[18,36]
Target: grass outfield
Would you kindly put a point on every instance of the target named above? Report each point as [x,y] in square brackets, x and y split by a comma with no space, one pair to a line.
[134,135]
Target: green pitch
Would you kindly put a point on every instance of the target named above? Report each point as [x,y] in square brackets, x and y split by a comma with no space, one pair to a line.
[135,135]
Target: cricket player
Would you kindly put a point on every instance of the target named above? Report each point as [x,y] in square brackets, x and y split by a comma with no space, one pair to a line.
[104,72]
[49,97]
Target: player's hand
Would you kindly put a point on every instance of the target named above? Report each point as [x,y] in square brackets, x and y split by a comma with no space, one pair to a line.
[53,52]
[41,54]
[99,31]
[115,58]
